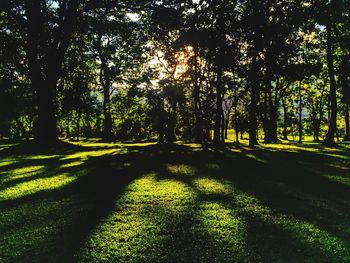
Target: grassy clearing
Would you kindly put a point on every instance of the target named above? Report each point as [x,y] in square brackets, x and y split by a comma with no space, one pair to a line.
[113,202]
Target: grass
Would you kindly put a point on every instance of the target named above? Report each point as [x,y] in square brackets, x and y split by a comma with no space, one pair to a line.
[140,202]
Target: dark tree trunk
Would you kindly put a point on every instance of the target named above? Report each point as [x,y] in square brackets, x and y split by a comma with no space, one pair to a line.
[254,94]
[46,123]
[223,127]
[236,116]
[265,120]
[237,135]
[317,131]
[45,54]
[77,135]
[329,140]
[198,118]
[45,126]
[218,112]
[198,129]
[106,105]
[273,125]
[207,132]
[107,122]
[170,133]
[347,123]
[300,123]
[67,128]
[227,122]
[285,119]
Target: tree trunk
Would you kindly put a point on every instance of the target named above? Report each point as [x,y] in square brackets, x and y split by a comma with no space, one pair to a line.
[46,123]
[273,125]
[77,135]
[265,120]
[218,113]
[45,55]
[329,140]
[170,133]
[198,130]
[317,131]
[68,128]
[300,123]
[347,123]
[106,83]
[107,122]
[254,92]
[285,119]
[223,127]
[45,126]
[236,116]
[227,122]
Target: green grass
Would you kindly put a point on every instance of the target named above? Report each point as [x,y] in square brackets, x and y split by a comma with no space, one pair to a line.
[140,202]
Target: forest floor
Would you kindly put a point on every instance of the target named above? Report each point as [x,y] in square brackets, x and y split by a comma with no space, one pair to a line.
[140,202]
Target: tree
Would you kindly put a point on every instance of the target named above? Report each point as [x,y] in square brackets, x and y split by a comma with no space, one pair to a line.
[47,29]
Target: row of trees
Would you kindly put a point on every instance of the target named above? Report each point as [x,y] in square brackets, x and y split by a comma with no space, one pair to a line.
[175,69]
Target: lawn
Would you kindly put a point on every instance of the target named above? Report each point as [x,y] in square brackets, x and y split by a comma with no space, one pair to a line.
[140,202]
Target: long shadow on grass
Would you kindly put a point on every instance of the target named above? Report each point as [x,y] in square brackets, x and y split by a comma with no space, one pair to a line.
[284,182]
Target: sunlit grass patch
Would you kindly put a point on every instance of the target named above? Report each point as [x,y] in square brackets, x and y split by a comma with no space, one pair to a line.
[339,179]
[37,185]
[85,155]
[7,161]
[253,156]
[22,172]
[141,223]
[149,188]
[192,146]
[71,164]
[223,233]
[212,186]
[180,169]
[7,145]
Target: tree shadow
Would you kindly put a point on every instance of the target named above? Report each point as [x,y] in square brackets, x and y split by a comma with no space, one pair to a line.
[290,186]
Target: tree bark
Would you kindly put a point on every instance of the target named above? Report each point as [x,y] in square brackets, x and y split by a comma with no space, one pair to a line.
[227,122]
[170,132]
[45,126]
[285,119]
[77,135]
[105,82]
[218,112]
[198,129]
[223,127]
[300,123]
[45,54]
[347,123]
[329,140]
[254,93]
